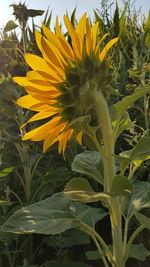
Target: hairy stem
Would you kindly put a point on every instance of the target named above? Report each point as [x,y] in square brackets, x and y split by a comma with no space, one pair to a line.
[109,173]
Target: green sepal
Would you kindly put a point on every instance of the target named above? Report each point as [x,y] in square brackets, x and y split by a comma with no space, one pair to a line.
[83,124]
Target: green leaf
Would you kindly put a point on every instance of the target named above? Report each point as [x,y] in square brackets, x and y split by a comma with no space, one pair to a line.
[138,252]
[125,160]
[49,216]
[89,163]
[138,154]
[6,171]
[47,19]
[11,25]
[34,13]
[73,17]
[124,124]
[121,185]
[88,214]
[5,203]
[116,21]
[69,238]
[78,184]
[142,149]
[79,189]
[140,198]
[121,106]
[92,255]
[97,17]
[53,215]
[144,220]
[10,44]
[65,264]
[123,24]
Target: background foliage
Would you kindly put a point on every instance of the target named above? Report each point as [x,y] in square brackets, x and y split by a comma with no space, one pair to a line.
[28,176]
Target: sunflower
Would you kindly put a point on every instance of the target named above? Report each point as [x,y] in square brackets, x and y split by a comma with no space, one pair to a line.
[59,83]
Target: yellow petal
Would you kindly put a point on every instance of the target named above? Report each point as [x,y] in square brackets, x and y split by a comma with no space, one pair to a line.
[106,48]
[27,101]
[62,45]
[94,34]
[62,39]
[58,30]
[49,51]
[33,87]
[36,63]
[67,48]
[80,29]
[55,70]
[46,98]
[52,137]
[36,77]
[79,137]
[41,115]
[32,103]
[76,42]
[69,26]
[41,132]
[88,38]
[100,41]
[42,78]
[65,137]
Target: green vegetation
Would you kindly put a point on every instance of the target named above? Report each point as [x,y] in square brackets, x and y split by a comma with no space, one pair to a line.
[53,211]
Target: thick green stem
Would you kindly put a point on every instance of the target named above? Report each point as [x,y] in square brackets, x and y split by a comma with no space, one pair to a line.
[108,141]
[109,173]
[116,226]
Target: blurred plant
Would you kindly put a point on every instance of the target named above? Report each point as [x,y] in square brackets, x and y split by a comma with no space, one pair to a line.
[22,14]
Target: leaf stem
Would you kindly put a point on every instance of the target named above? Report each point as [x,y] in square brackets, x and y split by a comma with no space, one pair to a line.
[99,250]
[91,231]
[133,236]
[16,195]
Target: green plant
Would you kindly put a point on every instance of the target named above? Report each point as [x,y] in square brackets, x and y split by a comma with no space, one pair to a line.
[116,189]
[110,174]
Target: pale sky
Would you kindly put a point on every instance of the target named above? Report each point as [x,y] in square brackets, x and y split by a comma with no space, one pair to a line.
[59,8]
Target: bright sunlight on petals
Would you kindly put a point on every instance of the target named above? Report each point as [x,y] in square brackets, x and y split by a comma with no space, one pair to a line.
[56,82]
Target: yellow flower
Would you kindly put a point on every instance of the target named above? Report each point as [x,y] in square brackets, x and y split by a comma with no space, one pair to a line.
[56,85]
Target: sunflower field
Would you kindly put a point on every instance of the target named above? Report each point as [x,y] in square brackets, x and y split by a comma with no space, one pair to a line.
[75,139]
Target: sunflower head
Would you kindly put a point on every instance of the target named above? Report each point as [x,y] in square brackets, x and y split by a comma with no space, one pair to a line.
[61,82]
[81,78]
